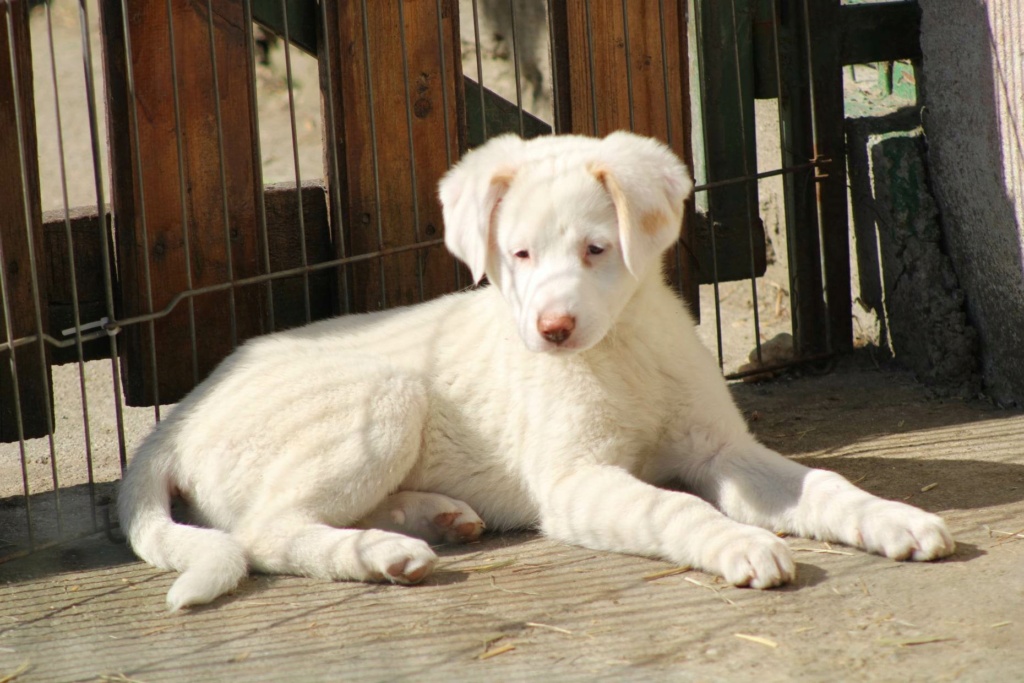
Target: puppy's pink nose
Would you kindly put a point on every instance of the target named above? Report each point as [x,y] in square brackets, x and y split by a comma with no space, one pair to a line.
[556,327]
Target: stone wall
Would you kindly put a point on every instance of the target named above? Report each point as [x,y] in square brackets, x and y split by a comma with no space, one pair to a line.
[905,277]
[974,122]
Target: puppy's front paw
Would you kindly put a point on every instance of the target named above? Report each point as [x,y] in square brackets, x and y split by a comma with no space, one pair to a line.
[903,532]
[747,556]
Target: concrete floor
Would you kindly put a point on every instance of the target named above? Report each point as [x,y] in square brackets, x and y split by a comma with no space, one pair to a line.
[518,607]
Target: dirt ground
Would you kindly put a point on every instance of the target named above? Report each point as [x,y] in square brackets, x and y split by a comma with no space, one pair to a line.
[517,607]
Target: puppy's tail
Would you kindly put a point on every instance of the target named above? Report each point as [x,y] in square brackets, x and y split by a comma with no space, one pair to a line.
[211,562]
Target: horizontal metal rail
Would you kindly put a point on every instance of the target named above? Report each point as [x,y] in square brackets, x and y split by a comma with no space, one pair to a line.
[114,326]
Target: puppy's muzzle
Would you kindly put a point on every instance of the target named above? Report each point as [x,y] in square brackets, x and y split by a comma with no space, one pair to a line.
[556,328]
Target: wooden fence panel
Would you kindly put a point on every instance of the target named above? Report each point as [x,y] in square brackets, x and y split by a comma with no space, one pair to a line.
[393,142]
[285,249]
[728,58]
[87,235]
[826,73]
[620,77]
[20,242]
[183,241]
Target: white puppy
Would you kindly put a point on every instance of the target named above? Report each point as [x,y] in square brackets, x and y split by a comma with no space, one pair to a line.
[560,397]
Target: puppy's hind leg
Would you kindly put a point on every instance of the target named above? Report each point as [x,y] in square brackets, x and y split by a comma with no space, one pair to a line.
[300,546]
[345,463]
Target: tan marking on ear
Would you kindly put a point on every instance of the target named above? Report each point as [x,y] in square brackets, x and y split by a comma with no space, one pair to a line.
[607,179]
[652,221]
[500,182]
[503,177]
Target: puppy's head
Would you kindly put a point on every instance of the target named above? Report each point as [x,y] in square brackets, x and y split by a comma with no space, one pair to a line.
[566,226]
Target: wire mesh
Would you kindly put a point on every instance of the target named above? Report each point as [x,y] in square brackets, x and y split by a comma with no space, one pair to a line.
[503,44]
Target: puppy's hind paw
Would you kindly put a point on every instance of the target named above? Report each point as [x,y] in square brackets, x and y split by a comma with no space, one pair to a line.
[459,526]
[432,517]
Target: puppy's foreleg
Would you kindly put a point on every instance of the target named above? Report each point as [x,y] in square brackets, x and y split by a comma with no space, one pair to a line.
[606,508]
[753,484]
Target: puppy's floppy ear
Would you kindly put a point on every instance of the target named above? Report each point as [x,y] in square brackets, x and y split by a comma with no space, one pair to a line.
[648,185]
[470,194]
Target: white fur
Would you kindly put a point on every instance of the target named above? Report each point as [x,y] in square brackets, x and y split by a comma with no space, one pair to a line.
[292,451]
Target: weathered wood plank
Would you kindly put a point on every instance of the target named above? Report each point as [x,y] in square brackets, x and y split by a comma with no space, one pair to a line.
[826,74]
[86,237]
[500,115]
[802,238]
[878,32]
[302,20]
[731,145]
[625,66]
[393,142]
[20,242]
[184,230]
[285,253]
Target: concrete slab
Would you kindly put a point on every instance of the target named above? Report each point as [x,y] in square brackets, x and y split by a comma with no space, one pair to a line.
[545,611]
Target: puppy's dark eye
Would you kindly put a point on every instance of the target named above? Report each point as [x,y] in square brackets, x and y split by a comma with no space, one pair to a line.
[522,254]
[594,250]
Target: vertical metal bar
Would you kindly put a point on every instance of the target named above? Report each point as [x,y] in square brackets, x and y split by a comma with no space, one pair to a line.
[374,151]
[806,300]
[814,139]
[443,61]
[810,70]
[261,200]
[746,185]
[556,114]
[664,74]
[26,198]
[593,70]
[335,193]
[677,249]
[295,158]
[228,257]
[698,7]
[105,260]
[412,151]
[718,298]
[133,114]
[515,63]
[479,69]
[181,191]
[787,206]
[629,65]
[18,419]
[823,240]
[778,59]
[8,324]
[75,310]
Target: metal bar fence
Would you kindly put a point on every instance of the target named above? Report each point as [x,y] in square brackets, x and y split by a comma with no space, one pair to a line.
[567,44]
